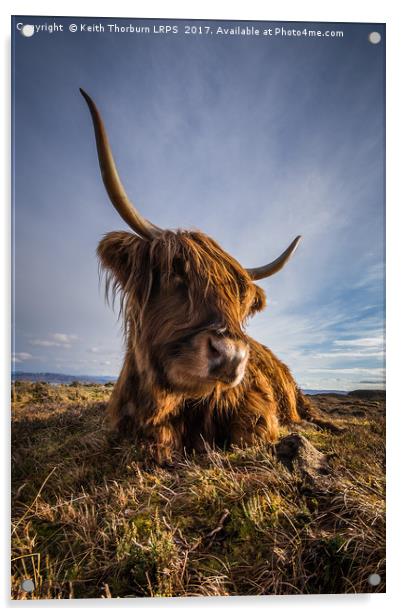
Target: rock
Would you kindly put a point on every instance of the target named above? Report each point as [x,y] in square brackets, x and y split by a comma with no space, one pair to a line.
[296,450]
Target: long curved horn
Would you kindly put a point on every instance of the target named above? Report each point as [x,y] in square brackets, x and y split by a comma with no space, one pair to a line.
[256,273]
[112,182]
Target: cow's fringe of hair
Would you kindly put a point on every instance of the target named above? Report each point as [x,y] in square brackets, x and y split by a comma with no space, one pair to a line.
[128,264]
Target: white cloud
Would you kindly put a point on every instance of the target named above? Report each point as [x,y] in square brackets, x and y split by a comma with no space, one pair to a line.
[18,358]
[55,340]
[64,338]
[377,341]
[377,372]
[350,354]
[355,349]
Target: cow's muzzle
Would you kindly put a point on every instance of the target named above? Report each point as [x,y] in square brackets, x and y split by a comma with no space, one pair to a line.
[227,359]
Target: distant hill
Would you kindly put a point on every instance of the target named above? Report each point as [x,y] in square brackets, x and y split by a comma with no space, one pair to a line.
[368,394]
[315,392]
[57,378]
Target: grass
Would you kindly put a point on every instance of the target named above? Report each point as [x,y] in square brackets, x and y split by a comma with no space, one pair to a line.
[90,518]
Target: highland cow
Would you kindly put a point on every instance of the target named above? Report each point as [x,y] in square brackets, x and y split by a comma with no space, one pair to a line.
[191,375]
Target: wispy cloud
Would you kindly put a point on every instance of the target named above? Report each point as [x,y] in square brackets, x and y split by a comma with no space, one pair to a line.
[349,354]
[358,348]
[378,341]
[55,340]
[372,371]
[18,358]
[375,274]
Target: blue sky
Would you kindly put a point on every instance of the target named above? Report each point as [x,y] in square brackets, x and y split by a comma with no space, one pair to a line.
[254,140]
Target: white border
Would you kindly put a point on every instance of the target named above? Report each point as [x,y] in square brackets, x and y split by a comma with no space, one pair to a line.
[287,10]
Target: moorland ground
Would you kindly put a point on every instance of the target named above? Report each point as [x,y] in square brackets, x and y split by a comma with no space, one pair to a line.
[92,518]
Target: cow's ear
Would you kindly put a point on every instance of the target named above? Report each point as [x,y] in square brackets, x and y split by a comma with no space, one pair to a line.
[117,253]
[259,301]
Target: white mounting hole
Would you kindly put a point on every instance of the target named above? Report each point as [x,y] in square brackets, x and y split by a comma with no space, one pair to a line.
[28,585]
[374,37]
[374,579]
[27,30]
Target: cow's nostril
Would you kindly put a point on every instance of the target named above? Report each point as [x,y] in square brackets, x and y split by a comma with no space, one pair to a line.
[214,352]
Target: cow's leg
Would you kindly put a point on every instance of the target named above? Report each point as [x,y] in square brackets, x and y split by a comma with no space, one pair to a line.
[162,442]
[254,421]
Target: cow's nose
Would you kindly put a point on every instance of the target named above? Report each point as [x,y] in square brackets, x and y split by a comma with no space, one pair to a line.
[227,358]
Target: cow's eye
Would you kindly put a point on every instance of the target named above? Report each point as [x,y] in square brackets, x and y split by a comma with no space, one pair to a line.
[221,331]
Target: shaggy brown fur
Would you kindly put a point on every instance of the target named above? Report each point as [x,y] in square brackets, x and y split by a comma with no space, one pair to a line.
[176,292]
